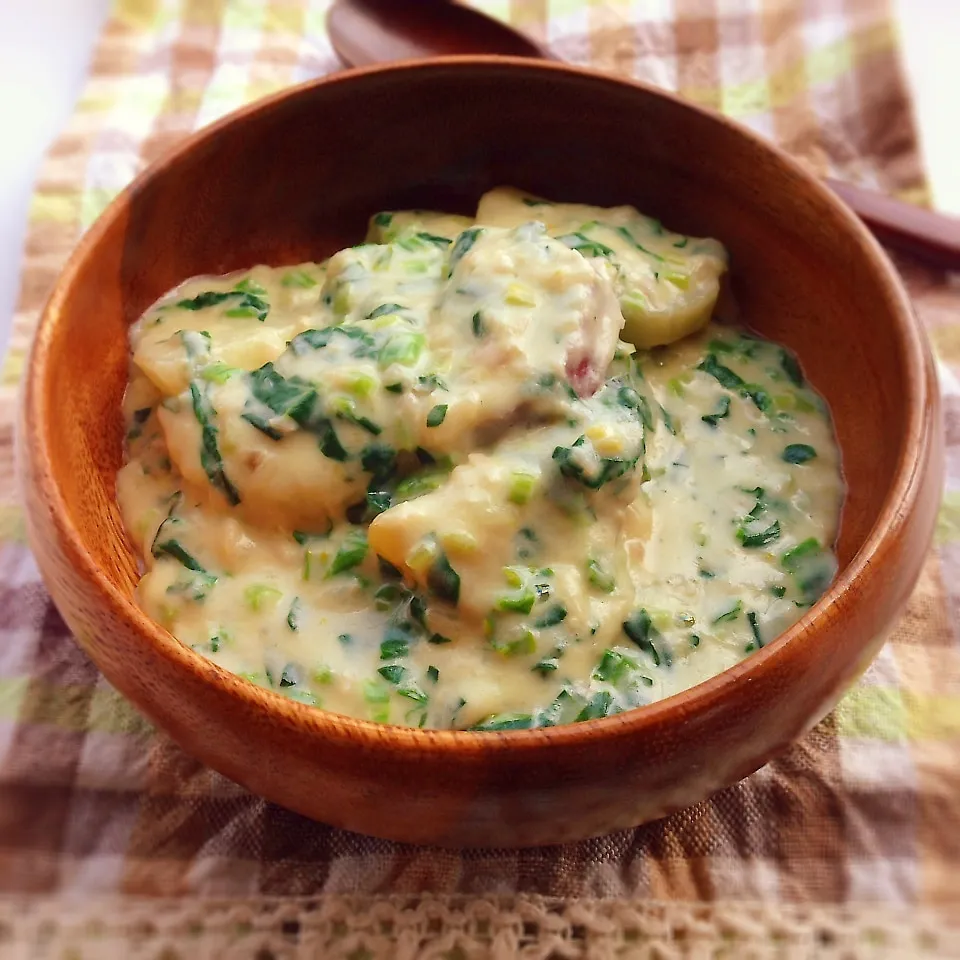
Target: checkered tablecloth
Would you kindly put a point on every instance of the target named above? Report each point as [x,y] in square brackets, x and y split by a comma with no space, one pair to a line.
[115,843]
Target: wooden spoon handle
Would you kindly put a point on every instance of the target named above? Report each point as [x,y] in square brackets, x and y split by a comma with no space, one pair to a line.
[931,237]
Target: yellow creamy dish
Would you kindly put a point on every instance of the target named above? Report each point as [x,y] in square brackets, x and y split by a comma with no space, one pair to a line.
[485,473]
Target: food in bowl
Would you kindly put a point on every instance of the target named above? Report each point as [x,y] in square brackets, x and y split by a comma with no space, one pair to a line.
[491,473]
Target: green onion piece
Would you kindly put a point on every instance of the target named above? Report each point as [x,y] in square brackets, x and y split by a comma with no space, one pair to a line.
[418,484]
[298,278]
[217,372]
[600,578]
[754,628]
[257,595]
[438,638]
[433,674]
[402,348]
[798,453]
[522,486]
[778,591]
[479,328]
[249,285]
[521,602]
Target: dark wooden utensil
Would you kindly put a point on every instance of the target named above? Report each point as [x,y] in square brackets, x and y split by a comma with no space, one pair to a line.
[374,31]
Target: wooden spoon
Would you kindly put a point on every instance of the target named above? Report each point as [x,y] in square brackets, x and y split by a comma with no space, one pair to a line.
[375,31]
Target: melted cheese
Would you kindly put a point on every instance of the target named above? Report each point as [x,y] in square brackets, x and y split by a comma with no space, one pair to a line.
[427,483]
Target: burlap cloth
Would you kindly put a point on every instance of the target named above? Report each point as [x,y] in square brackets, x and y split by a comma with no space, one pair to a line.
[114,843]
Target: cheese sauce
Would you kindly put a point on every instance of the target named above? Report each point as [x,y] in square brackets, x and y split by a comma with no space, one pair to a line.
[427,483]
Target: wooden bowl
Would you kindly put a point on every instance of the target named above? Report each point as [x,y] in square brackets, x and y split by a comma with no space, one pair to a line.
[294,177]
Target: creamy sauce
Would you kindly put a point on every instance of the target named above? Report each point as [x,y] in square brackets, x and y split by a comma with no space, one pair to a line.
[427,482]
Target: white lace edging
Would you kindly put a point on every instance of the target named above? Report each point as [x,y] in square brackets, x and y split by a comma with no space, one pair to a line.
[462,928]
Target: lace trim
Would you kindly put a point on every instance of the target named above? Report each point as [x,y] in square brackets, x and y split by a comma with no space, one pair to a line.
[463,928]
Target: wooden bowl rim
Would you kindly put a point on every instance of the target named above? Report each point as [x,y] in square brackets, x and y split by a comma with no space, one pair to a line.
[464,745]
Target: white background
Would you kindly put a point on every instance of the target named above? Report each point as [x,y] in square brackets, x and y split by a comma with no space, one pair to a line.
[45,49]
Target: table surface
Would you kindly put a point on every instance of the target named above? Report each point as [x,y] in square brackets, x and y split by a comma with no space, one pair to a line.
[45,49]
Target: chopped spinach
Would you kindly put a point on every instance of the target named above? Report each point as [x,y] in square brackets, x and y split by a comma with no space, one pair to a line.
[394,647]
[600,705]
[385,309]
[443,580]
[726,377]
[610,468]
[556,614]
[392,672]
[176,550]
[761,538]
[506,721]
[798,453]
[639,628]
[722,411]
[293,615]
[460,247]
[437,414]
[248,304]
[351,554]
[210,458]
[791,367]
[262,425]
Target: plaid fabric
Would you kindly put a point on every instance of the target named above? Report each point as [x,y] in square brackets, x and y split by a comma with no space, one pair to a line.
[865,808]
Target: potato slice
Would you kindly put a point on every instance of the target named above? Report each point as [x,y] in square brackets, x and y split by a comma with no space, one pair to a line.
[501,531]
[242,320]
[667,283]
